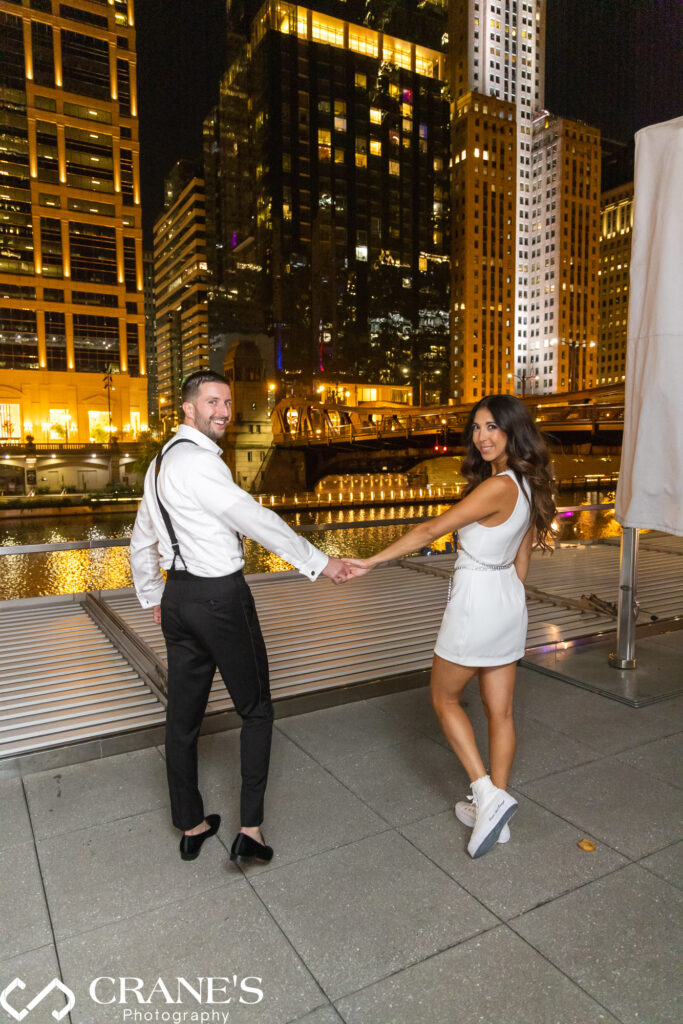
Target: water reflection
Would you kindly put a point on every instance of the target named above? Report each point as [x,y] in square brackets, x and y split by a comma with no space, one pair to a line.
[68,572]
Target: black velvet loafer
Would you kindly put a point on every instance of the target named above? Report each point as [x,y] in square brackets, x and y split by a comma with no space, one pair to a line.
[245,849]
[191,845]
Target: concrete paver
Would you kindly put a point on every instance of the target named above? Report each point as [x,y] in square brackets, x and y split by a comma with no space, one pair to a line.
[371,902]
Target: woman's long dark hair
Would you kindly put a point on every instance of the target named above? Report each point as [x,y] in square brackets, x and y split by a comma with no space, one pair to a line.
[527,457]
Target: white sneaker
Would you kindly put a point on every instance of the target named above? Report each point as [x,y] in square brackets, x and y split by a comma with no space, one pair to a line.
[466,812]
[494,809]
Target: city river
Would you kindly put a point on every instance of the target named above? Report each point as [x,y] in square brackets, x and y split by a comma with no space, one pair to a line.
[350,531]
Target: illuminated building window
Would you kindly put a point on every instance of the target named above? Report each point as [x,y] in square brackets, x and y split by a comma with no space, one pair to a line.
[375,147]
[10,420]
[98,426]
[324,145]
[87,113]
[394,167]
[362,252]
[360,81]
[375,115]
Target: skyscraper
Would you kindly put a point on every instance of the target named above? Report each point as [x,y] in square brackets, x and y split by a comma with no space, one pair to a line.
[71,289]
[483,190]
[497,47]
[329,154]
[616,220]
[180,286]
[561,345]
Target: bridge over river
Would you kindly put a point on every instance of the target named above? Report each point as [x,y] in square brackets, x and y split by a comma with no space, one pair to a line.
[314,439]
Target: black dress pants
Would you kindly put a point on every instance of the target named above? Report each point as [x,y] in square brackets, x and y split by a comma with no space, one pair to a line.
[209,622]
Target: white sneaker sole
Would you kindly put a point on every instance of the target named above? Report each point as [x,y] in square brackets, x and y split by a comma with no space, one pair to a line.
[465,812]
[493,817]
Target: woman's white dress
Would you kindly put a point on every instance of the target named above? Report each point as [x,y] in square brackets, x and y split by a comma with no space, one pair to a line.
[485,621]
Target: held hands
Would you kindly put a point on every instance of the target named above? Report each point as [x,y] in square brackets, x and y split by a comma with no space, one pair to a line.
[339,570]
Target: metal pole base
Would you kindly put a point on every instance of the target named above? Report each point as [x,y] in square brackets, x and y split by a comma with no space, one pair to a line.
[625,655]
[617,662]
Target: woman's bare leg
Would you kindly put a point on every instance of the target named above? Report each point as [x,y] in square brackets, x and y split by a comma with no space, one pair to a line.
[447,684]
[497,685]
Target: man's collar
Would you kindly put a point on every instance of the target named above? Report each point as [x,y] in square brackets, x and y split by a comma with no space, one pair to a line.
[192,434]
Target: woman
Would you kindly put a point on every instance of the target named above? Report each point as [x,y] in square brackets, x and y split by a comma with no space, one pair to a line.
[508,508]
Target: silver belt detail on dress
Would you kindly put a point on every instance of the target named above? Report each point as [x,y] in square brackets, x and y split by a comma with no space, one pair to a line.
[478,567]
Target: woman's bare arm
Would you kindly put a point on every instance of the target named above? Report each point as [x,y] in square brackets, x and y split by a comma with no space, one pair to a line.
[487,499]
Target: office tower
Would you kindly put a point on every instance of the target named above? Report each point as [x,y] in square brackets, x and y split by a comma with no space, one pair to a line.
[616,219]
[497,47]
[329,154]
[71,299]
[180,287]
[483,190]
[561,347]
[150,338]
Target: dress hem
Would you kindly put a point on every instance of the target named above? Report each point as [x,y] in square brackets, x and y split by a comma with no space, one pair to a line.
[480,662]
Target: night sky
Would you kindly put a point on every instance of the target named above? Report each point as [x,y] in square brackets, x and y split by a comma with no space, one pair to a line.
[613,63]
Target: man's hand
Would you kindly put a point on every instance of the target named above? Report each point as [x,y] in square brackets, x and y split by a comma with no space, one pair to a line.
[357,567]
[156,612]
[336,570]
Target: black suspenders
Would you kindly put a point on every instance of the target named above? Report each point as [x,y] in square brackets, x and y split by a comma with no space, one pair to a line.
[164,514]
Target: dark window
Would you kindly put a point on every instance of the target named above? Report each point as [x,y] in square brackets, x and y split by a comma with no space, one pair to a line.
[55,341]
[85,64]
[53,295]
[17,291]
[93,253]
[42,5]
[44,102]
[133,350]
[18,339]
[51,246]
[123,86]
[75,14]
[12,72]
[94,299]
[96,342]
[127,191]
[43,54]
[48,157]
[130,265]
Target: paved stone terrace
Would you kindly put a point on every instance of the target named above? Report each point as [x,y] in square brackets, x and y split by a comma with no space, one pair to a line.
[371,911]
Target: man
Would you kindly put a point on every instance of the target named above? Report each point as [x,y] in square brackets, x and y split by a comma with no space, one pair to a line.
[190,522]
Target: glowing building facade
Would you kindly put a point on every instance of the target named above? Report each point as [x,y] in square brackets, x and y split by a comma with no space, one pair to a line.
[180,287]
[72,346]
[561,346]
[497,47]
[616,227]
[483,190]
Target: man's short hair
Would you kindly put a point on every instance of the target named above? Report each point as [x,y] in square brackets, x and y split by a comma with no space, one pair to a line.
[192,384]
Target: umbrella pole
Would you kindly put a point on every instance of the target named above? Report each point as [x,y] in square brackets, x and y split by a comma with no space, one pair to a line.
[625,654]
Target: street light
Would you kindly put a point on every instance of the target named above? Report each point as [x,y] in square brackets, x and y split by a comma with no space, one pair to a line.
[109,387]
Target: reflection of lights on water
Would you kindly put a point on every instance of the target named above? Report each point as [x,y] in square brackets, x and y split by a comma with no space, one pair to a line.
[66,572]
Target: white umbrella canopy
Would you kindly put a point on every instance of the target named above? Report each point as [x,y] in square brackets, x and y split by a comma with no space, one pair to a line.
[650,489]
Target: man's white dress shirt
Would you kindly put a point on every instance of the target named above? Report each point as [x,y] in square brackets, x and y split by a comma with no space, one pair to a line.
[208,512]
